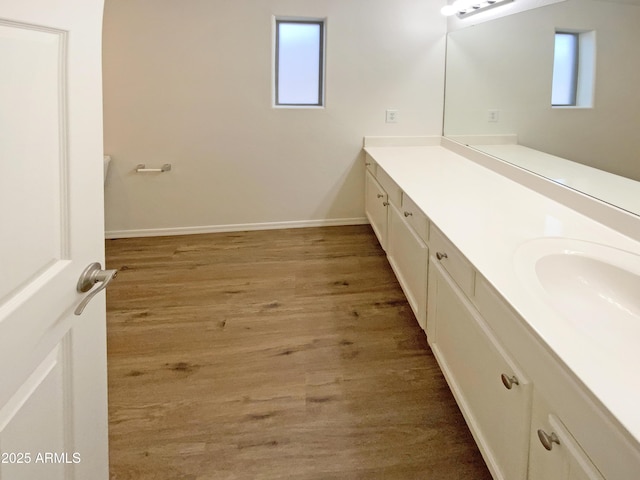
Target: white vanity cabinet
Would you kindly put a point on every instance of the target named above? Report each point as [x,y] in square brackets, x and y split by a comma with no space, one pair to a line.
[492,392]
[516,391]
[554,452]
[402,230]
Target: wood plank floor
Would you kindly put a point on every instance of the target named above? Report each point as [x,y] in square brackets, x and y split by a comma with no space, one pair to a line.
[282,354]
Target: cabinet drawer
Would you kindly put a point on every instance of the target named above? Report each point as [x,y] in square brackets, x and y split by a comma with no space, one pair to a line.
[415,218]
[496,312]
[371,164]
[453,261]
[392,189]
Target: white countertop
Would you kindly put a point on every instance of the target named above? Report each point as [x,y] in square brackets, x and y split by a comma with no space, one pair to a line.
[617,190]
[488,217]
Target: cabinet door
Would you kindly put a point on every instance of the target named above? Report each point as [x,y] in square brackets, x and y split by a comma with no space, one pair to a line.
[376,208]
[473,363]
[408,256]
[554,452]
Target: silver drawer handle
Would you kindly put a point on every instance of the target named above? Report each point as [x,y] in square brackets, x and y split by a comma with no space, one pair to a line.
[380,195]
[509,382]
[548,440]
[384,204]
[408,214]
[367,163]
[88,278]
[441,255]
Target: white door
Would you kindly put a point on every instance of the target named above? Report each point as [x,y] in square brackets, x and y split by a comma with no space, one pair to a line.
[53,398]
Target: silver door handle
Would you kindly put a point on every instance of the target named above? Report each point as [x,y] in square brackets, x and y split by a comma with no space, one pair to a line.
[88,278]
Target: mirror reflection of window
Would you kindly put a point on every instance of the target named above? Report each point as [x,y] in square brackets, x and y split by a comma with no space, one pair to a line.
[565,69]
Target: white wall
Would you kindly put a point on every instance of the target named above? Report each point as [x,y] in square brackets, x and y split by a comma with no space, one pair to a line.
[189,83]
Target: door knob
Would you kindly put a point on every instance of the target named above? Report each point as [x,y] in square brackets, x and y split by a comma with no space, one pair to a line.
[88,278]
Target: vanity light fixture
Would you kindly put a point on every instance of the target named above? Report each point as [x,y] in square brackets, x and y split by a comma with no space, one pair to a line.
[466,8]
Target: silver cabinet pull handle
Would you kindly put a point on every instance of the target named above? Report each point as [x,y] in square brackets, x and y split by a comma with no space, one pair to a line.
[384,204]
[441,255]
[408,214]
[509,382]
[367,163]
[380,195]
[548,440]
[88,278]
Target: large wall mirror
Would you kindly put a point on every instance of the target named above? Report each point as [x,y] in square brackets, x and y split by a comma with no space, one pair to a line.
[499,89]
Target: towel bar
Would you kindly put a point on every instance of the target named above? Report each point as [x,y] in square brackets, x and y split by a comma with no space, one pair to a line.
[141,168]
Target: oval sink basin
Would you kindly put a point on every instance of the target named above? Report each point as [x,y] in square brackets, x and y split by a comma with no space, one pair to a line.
[587,283]
[588,286]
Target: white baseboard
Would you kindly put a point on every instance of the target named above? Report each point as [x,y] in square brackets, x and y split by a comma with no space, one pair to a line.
[241,227]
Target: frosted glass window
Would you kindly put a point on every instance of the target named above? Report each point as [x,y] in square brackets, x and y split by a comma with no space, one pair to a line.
[565,70]
[299,62]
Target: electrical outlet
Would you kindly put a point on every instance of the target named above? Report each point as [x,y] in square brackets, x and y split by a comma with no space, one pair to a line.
[493,115]
[392,116]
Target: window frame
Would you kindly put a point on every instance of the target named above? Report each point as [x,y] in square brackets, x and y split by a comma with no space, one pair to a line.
[322,23]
